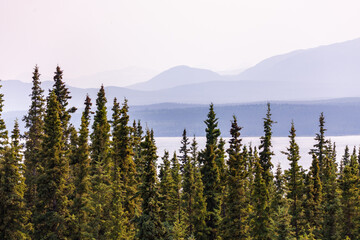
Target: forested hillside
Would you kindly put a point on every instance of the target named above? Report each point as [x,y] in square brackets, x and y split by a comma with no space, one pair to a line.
[103,180]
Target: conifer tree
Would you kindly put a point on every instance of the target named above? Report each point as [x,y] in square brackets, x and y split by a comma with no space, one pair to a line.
[52,209]
[63,95]
[211,176]
[82,204]
[188,184]
[149,222]
[261,222]
[265,149]
[295,184]
[320,147]
[235,223]
[280,204]
[176,175]
[168,197]
[3,131]
[14,223]
[331,202]
[350,199]
[34,122]
[123,163]
[100,168]
[118,225]
[345,160]
[313,202]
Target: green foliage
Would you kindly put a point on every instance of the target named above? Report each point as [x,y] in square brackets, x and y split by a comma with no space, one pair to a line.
[34,122]
[14,222]
[265,149]
[82,200]
[52,216]
[100,169]
[295,185]
[235,224]
[262,225]
[149,222]
[211,176]
[124,169]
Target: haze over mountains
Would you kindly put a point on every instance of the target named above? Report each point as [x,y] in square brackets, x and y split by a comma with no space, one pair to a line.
[326,72]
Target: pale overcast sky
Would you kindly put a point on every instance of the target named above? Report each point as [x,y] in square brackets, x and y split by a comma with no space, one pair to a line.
[89,36]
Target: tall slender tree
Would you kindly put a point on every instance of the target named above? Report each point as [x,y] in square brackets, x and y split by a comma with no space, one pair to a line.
[14,223]
[123,163]
[295,184]
[82,201]
[211,176]
[265,149]
[52,209]
[235,223]
[34,122]
[100,168]
[149,223]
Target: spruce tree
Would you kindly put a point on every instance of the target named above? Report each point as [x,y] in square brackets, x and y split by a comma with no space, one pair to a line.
[295,184]
[52,208]
[211,176]
[235,223]
[149,222]
[168,196]
[261,222]
[280,205]
[176,175]
[331,200]
[314,197]
[123,163]
[34,122]
[188,184]
[63,96]
[100,168]
[14,223]
[350,200]
[345,160]
[82,201]
[265,149]
[320,147]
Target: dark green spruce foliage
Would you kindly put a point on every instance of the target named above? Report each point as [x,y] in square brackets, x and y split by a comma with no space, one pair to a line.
[350,200]
[188,184]
[51,218]
[295,185]
[63,95]
[14,223]
[198,216]
[262,226]
[34,122]
[320,147]
[123,164]
[82,201]
[314,197]
[265,149]
[281,205]
[331,199]
[149,223]
[235,223]
[345,160]
[211,176]
[100,168]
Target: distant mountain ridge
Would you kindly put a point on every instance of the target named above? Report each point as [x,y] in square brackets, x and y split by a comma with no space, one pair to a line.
[177,76]
[325,72]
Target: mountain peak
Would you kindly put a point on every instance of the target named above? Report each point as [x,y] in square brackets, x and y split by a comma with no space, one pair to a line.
[177,76]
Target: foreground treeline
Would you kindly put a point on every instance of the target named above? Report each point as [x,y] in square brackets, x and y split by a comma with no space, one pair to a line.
[101,181]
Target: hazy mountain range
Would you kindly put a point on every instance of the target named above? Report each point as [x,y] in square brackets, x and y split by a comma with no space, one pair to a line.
[325,72]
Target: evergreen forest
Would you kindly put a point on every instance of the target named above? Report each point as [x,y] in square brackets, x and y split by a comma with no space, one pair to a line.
[103,180]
